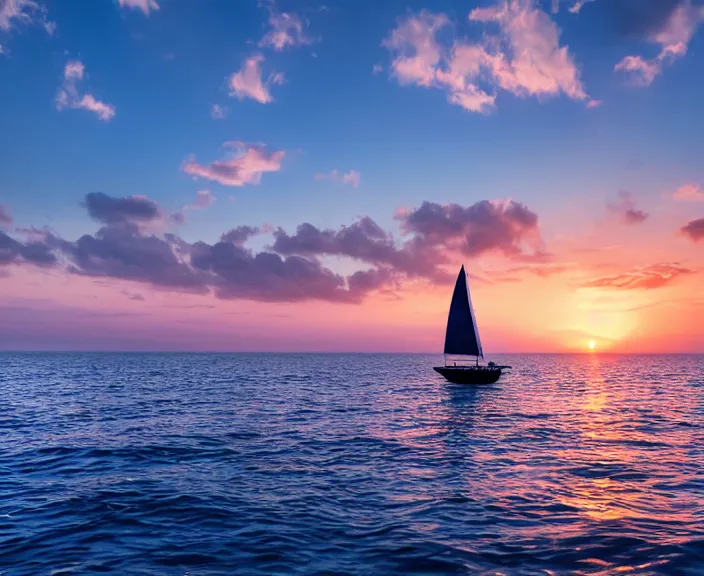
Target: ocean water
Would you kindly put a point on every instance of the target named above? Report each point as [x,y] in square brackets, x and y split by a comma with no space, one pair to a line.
[187,464]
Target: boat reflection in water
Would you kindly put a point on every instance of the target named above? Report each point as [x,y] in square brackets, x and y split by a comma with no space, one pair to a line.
[462,340]
[591,463]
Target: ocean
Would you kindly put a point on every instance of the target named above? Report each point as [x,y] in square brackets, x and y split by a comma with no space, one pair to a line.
[364,464]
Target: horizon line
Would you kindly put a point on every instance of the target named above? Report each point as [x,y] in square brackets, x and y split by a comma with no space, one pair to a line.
[349,352]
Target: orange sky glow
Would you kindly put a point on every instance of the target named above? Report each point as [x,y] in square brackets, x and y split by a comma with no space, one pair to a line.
[593,289]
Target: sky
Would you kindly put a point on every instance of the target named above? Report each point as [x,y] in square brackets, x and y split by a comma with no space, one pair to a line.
[214,175]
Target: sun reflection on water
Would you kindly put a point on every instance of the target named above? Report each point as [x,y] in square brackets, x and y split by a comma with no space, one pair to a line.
[582,451]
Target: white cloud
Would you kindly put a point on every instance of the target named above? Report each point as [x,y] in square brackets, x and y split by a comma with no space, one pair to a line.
[144,5]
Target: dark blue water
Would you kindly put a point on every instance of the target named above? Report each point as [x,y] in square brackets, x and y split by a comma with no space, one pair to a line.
[349,464]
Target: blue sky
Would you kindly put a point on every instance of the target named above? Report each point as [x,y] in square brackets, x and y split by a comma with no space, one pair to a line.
[568,132]
[163,72]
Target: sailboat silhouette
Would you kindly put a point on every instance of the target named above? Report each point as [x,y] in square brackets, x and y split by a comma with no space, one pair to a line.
[462,340]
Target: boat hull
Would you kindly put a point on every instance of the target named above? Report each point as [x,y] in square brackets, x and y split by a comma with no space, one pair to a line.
[469,374]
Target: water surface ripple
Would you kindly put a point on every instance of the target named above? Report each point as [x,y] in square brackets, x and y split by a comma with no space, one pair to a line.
[175,464]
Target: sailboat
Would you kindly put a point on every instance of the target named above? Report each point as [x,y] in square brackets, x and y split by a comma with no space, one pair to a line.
[462,340]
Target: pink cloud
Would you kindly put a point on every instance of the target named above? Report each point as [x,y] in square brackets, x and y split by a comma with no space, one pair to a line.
[673,37]
[541,270]
[402,212]
[144,5]
[35,253]
[137,210]
[643,278]
[420,59]
[104,111]
[241,234]
[594,103]
[204,198]
[24,12]
[643,71]
[507,227]
[525,57]
[19,10]
[245,166]
[464,66]
[689,193]
[247,83]
[68,95]
[417,53]
[532,62]
[287,29]
[127,247]
[578,5]
[74,70]
[626,209]
[694,230]
[352,177]
[680,27]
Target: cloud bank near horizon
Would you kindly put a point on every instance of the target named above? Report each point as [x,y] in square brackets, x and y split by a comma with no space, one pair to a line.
[130,246]
[136,242]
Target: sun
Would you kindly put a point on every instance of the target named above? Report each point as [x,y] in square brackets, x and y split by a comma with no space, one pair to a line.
[591,344]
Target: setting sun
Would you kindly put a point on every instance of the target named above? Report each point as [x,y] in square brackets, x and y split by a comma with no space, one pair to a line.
[592,345]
